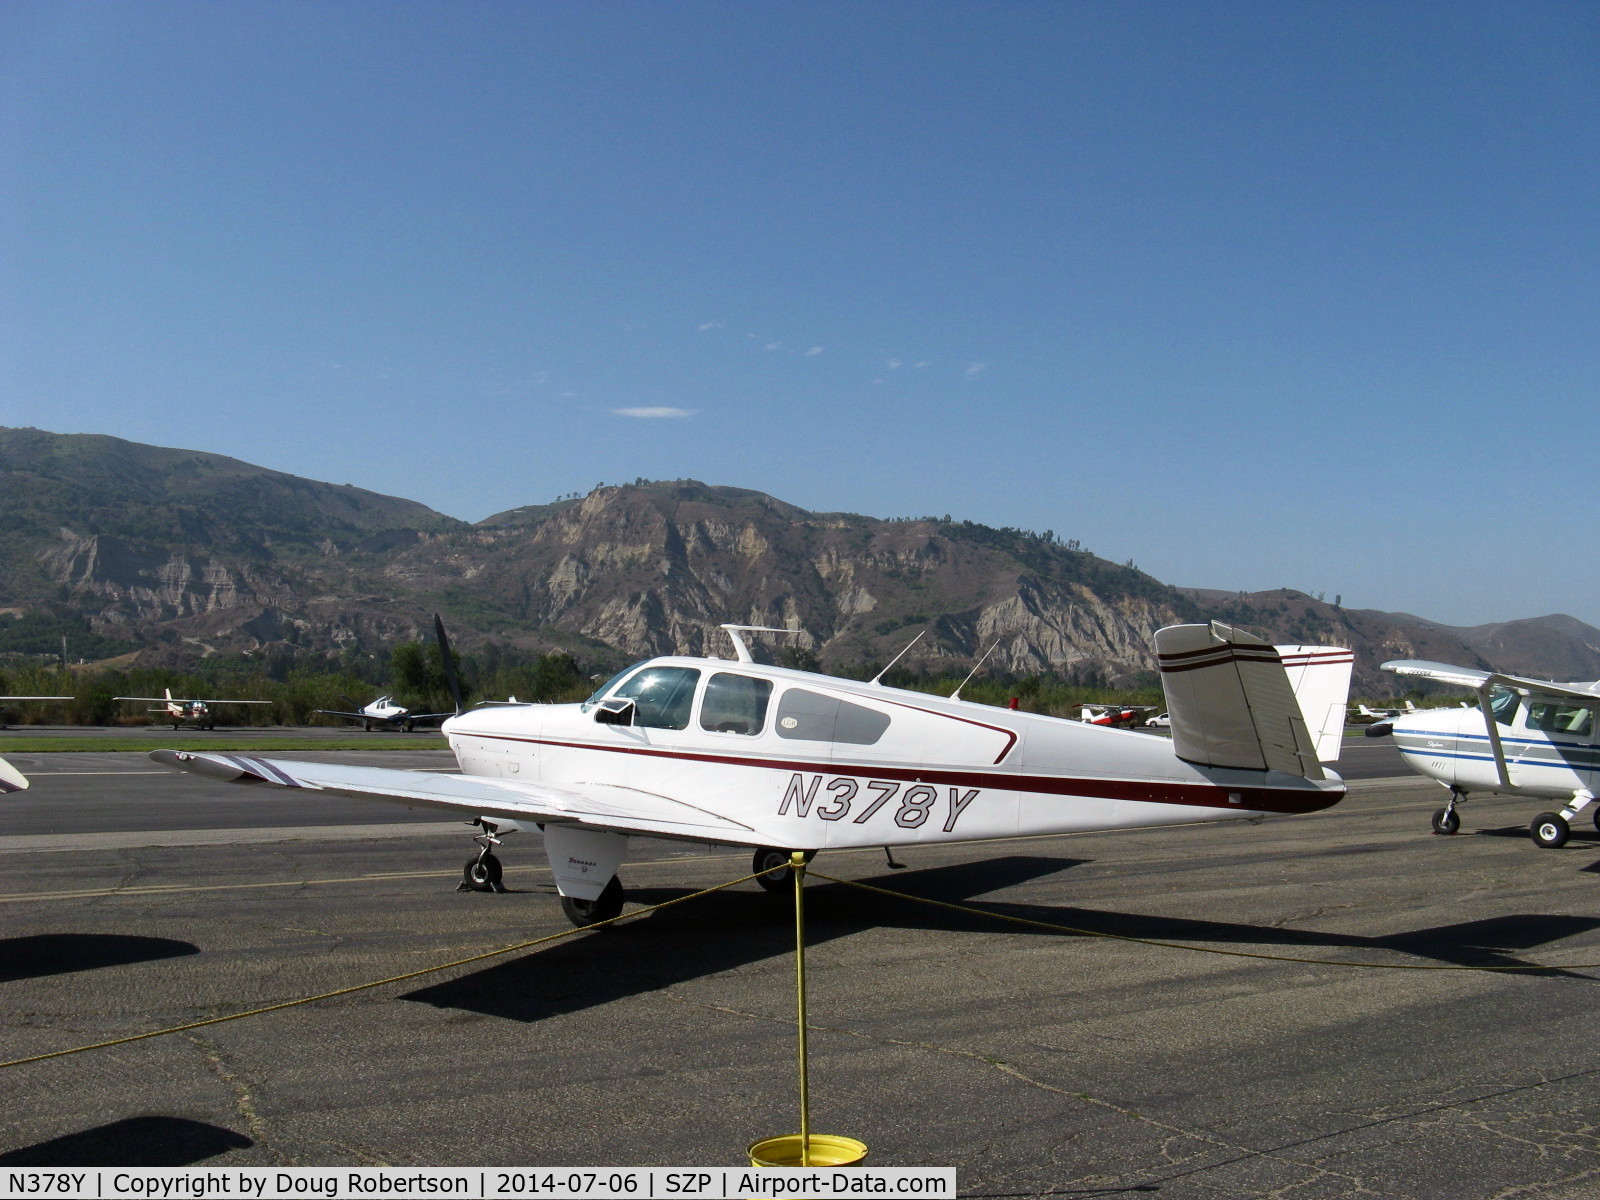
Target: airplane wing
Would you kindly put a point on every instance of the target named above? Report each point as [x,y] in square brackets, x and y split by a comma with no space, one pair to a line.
[11,779]
[181,700]
[328,712]
[1442,672]
[1479,680]
[600,806]
[38,697]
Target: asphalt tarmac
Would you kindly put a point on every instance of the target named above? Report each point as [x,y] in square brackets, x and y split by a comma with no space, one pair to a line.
[1036,1062]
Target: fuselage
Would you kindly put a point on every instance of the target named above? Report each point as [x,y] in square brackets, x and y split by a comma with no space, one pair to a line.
[1549,746]
[809,761]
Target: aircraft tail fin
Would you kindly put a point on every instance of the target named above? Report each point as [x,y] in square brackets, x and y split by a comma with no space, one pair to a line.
[1237,701]
[1320,679]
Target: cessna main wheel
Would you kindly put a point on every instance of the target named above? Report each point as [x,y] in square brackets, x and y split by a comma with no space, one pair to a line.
[1549,830]
[482,874]
[1446,820]
[592,912]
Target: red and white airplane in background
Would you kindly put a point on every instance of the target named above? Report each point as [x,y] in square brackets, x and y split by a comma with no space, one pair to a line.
[1527,737]
[195,712]
[1119,716]
[736,753]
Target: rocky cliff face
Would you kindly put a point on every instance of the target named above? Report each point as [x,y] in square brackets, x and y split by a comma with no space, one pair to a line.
[190,553]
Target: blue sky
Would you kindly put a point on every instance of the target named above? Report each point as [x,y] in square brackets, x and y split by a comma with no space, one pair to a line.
[1255,295]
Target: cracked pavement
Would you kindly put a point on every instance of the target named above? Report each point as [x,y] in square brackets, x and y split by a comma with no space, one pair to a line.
[1037,1063]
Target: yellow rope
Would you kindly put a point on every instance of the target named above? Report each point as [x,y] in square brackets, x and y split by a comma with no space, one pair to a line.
[361,987]
[1123,937]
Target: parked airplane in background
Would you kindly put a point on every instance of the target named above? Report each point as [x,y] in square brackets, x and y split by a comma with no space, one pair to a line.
[1364,713]
[1527,737]
[384,711]
[195,712]
[1119,716]
[732,752]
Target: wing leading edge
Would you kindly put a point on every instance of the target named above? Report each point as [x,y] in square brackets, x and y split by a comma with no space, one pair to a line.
[600,806]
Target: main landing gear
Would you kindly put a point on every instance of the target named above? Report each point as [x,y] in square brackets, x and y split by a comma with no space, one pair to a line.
[591,912]
[482,872]
[1552,829]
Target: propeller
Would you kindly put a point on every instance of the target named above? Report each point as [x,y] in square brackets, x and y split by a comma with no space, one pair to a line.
[449,664]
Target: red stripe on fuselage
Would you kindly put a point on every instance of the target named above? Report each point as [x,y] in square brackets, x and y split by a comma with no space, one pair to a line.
[1196,795]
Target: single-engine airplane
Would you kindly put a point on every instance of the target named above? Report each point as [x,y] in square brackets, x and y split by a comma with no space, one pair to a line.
[1118,716]
[727,751]
[1527,737]
[196,712]
[1374,715]
[385,712]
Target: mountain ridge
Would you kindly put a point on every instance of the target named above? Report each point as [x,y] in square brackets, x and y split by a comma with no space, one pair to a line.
[169,550]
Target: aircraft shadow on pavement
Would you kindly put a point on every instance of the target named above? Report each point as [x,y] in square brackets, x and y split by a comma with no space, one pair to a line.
[714,933]
[131,1142]
[62,953]
[733,929]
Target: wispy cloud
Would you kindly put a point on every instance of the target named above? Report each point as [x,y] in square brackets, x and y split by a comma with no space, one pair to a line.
[894,364]
[811,353]
[774,345]
[709,325]
[976,369]
[652,412]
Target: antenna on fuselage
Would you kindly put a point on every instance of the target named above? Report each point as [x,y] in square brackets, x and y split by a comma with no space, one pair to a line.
[956,695]
[879,676]
[740,650]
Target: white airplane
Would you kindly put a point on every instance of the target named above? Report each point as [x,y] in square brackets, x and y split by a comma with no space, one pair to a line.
[385,711]
[196,712]
[1382,714]
[731,752]
[1527,737]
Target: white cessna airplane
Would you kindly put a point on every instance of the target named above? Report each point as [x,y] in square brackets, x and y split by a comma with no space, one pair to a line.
[735,753]
[1527,737]
[196,712]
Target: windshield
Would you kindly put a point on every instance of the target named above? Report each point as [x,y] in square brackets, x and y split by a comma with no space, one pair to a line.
[600,692]
[1503,704]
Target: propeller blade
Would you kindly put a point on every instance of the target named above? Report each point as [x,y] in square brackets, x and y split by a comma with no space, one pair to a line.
[449,664]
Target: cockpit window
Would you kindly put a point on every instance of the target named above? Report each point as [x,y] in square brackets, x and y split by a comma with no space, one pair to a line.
[662,696]
[1503,704]
[735,704]
[1571,719]
[813,717]
[599,692]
